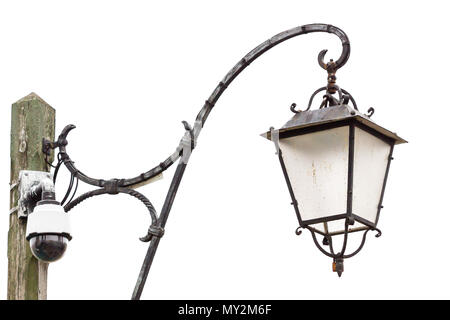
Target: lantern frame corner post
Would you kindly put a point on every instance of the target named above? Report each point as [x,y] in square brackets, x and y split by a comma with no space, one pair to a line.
[294,201]
[351,161]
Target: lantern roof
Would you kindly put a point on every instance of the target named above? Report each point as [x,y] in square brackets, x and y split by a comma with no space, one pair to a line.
[333,114]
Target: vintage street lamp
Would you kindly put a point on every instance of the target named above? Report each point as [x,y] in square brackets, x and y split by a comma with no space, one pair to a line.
[335,161]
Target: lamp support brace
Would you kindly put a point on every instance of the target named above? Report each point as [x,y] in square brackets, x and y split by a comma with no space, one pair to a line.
[188,142]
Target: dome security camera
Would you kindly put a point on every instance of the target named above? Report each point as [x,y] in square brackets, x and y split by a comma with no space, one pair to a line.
[48,229]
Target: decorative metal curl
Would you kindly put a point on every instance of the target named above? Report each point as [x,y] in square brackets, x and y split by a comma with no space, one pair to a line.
[351,99]
[153,231]
[293,106]
[344,95]
[320,59]
[370,112]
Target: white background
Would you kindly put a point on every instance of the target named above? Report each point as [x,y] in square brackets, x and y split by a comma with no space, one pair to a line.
[128,72]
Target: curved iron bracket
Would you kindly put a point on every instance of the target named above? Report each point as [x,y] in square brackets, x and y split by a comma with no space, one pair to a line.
[112,188]
[126,185]
[211,101]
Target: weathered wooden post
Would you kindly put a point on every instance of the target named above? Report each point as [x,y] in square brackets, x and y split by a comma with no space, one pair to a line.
[31,120]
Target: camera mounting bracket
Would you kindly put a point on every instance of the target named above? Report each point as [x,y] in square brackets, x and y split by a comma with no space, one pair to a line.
[31,186]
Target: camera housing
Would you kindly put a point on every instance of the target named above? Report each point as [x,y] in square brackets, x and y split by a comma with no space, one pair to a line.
[48,229]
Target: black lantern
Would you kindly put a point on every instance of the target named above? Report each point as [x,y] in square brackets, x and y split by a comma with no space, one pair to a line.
[335,161]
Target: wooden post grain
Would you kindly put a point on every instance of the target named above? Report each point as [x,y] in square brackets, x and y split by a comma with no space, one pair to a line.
[31,120]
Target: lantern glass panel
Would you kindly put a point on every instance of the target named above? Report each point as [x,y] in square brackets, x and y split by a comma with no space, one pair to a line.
[370,165]
[317,166]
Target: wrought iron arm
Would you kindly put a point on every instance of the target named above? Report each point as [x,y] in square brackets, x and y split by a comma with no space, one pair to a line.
[210,102]
[187,143]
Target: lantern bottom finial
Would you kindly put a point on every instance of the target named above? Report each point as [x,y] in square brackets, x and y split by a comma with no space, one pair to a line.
[338,266]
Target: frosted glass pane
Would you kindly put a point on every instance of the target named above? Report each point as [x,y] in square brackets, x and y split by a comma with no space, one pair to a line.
[371,158]
[317,166]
